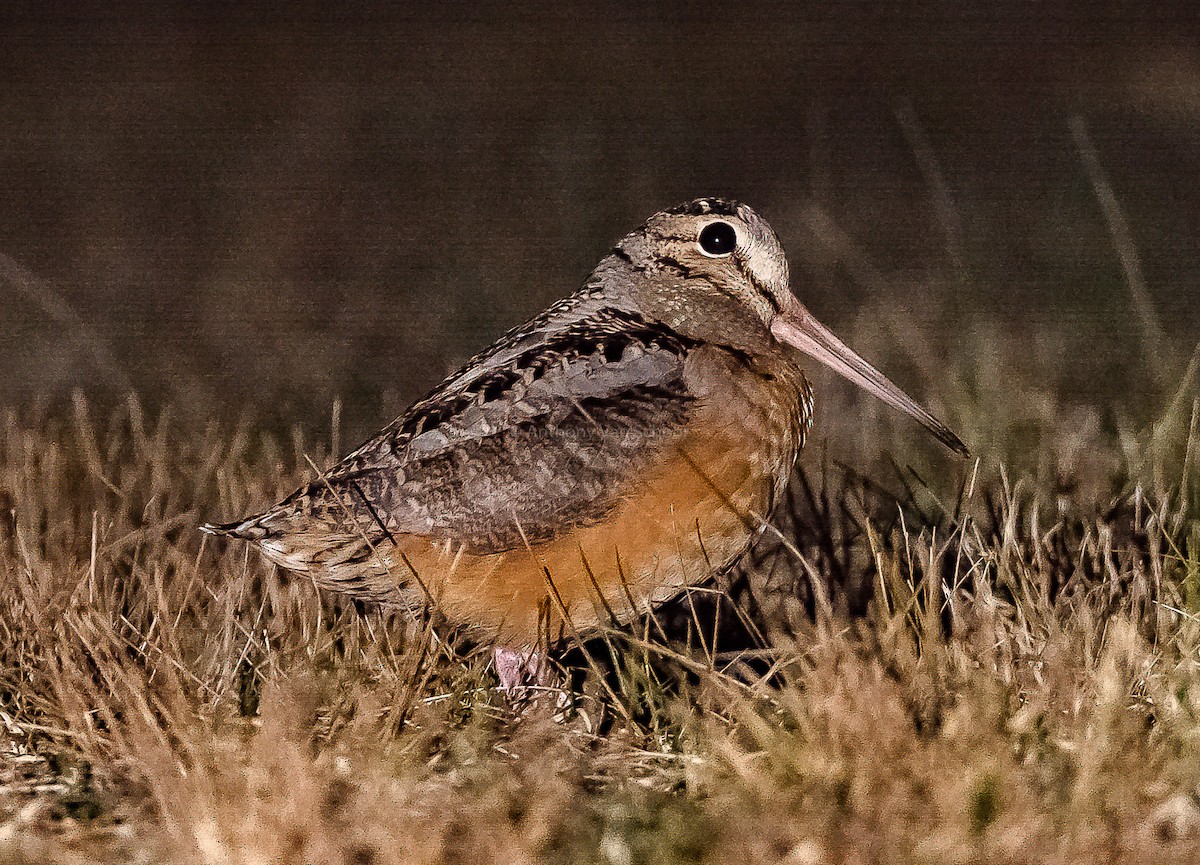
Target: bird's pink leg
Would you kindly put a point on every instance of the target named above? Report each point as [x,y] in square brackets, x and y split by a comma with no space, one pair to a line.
[517,669]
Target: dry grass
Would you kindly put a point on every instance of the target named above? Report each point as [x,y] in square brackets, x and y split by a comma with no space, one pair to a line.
[963,664]
[1009,674]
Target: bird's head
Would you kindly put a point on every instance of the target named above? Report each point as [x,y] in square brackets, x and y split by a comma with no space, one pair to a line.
[715,270]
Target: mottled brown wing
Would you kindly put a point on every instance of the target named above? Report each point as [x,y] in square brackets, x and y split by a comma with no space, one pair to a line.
[548,440]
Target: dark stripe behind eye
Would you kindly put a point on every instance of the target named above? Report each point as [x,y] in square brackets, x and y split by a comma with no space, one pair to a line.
[737,259]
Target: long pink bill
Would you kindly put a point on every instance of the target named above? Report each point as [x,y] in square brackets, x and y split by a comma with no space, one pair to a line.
[797,327]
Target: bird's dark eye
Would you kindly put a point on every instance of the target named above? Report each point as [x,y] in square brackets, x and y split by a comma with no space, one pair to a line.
[718,238]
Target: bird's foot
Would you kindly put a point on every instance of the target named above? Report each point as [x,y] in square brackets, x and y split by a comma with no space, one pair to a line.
[527,684]
[518,670]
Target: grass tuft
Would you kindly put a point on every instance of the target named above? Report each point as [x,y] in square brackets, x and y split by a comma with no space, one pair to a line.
[992,666]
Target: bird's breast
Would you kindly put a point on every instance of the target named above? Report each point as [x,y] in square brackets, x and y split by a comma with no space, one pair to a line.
[689,514]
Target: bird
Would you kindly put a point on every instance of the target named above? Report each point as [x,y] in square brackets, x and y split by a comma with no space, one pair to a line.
[626,443]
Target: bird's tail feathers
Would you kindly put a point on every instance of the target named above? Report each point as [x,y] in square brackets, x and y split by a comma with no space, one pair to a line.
[250,529]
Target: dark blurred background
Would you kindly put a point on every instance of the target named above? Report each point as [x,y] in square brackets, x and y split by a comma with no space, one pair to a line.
[240,211]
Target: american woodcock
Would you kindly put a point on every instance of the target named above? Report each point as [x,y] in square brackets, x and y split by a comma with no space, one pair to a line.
[622,445]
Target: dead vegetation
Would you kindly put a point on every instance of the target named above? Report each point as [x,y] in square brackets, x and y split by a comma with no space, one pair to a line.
[1006,671]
